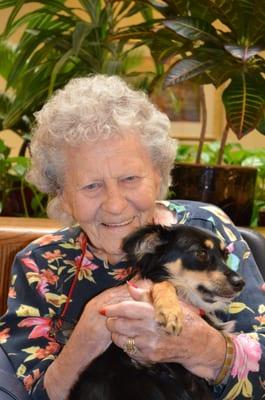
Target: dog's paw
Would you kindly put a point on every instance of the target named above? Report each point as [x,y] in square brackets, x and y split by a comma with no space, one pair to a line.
[170,319]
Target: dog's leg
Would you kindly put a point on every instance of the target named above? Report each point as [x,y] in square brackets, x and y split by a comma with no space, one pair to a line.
[167,308]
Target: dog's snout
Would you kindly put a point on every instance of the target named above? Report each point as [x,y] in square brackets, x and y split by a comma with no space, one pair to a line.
[237,282]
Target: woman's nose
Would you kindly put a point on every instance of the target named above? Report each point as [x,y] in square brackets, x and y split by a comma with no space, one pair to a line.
[115,200]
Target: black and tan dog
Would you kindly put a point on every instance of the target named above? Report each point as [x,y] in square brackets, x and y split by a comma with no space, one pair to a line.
[184,262]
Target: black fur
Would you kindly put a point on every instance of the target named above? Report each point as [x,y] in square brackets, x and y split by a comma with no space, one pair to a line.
[113,375]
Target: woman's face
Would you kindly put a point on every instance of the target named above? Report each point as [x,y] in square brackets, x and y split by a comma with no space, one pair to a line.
[110,189]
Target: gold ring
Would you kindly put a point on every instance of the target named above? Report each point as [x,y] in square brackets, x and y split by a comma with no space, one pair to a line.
[130,347]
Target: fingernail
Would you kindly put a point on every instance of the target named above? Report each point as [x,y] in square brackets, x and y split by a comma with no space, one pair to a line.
[102,311]
[130,283]
[201,312]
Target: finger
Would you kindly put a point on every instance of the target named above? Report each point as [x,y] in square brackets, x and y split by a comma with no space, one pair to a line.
[130,309]
[121,341]
[138,293]
[130,327]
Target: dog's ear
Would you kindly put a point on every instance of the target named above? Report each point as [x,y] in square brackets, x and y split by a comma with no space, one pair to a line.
[143,241]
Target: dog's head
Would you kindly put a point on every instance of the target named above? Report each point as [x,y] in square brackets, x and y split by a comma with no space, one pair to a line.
[193,259]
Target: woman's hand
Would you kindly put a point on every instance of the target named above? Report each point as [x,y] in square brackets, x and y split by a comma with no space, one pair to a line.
[199,348]
[89,339]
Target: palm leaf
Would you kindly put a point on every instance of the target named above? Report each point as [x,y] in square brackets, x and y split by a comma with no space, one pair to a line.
[7,57]
[5,105]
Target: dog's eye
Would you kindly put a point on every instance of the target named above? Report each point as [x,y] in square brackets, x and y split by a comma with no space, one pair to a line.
[202,255]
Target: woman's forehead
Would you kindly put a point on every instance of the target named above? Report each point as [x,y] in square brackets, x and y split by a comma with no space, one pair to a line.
[115,156]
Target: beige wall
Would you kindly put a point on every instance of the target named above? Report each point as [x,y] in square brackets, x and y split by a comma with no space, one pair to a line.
[184,129]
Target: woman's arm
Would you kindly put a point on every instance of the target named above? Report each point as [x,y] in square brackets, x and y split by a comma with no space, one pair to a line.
[89,339]
[35,298]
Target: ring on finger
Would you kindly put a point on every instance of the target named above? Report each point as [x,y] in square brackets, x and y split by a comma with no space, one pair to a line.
[129,347]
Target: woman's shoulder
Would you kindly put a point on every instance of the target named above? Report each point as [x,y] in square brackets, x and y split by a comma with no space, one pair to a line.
[204,215]
[188,209]
[65,238]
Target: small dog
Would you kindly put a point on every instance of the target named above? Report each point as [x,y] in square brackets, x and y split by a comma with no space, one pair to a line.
[182,261]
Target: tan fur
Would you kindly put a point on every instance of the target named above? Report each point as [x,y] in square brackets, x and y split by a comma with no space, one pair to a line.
[167,308]
[147,245]
[209,243]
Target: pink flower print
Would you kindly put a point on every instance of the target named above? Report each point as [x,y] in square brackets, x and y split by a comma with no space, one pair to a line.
[261,319]
[41,329]
[42,287]
[86,267]
[47,239]
[121,274]
[31,378]
[51,348]
[230,247]
[12,293]
[247,356]
[46,277]
[30,264]
[4,335]
[49,276]
[53,255]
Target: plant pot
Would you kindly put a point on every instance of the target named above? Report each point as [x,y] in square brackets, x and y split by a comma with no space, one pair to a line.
[229,187]
[14,206]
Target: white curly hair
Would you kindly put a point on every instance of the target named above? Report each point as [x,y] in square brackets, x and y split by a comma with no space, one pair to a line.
[88,109]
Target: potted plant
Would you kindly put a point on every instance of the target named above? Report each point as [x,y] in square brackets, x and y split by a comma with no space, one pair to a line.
[17,196]
[218,43]
[234,154]
[60,42]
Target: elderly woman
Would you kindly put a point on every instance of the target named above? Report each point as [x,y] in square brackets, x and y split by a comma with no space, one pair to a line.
[102,152]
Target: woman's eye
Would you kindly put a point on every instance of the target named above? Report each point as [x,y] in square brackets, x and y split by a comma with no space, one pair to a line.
[92,186]
[202,255]
[131,178]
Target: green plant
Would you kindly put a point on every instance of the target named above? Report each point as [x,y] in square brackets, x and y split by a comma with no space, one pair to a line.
[234,154]
[212,42]
[16,194]
[60,42]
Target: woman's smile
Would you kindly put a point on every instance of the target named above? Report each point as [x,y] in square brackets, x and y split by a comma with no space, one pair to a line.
[118,224]
[111,190]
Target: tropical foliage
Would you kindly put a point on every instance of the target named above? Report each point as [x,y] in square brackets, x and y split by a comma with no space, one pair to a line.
[60,42]
[217,42]
[17,196]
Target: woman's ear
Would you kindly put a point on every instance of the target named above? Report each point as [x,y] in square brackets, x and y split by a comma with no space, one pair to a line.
[65,201]
[158,182]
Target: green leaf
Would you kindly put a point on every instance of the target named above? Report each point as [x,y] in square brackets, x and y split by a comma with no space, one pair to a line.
[7,57]
[242,52]
[193,29]
[81,31]
[16,8]
[244,103]
[186,69]
[5,105]
[261,125]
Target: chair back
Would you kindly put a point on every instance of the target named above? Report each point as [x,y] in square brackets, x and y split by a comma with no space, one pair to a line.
[16,233]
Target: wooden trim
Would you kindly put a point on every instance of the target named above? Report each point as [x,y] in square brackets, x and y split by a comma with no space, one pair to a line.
[15,234]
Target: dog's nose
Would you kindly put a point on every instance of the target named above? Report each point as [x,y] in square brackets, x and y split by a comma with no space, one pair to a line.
[237,282]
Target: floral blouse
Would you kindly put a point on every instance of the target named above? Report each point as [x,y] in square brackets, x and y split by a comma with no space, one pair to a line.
[55,276]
